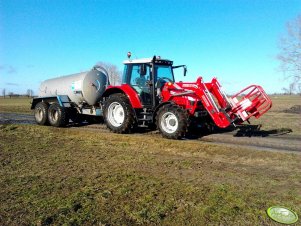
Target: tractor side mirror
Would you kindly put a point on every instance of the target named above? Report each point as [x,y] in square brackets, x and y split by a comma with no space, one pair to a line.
[142,69]
[185,70]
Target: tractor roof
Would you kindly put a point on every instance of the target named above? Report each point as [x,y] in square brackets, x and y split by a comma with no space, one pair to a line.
[148,60]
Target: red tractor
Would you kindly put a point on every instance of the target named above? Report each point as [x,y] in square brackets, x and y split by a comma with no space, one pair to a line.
[150,97]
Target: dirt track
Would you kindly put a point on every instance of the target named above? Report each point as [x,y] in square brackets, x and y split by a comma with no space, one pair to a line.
[244,136]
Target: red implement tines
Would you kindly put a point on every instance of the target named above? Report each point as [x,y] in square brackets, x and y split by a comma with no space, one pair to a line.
[224,110]
[251,101]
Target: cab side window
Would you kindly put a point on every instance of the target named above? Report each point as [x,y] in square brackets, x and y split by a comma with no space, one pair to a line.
[139,79]
[135,75]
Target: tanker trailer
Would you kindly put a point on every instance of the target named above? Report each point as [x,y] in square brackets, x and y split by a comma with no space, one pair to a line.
[69,97]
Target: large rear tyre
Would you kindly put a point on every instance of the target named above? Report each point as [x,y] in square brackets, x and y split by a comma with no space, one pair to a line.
[119,114]
[172,121]
[57,115]
[41,113]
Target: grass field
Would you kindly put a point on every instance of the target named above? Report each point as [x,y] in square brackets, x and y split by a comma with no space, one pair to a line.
[15,105]
[276,118]
[71,176]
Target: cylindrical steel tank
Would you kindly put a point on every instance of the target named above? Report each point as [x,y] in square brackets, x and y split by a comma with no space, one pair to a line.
[86,87]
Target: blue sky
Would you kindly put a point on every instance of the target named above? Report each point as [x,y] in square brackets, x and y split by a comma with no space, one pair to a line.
[235,41]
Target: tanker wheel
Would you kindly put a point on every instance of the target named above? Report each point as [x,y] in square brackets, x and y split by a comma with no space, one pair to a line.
[57,115]
[119,114]
[172,121]
[41,113]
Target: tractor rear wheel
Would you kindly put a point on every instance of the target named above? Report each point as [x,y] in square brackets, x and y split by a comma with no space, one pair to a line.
[57,115]
[41,113]
[119,114]
[172,121]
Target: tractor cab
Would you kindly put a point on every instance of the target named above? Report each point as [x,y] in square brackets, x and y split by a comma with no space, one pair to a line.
[147,77]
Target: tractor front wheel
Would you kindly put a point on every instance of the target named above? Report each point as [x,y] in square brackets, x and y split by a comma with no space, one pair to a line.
[119,114]
[172,121]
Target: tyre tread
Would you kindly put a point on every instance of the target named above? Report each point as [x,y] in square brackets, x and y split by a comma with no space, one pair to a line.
[44,107]
[62,115]
[183,121]
[129,123]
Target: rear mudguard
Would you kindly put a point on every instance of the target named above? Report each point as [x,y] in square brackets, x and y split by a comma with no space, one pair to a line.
[126,90]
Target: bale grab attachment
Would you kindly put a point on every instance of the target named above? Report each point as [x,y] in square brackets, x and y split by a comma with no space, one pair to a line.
[250,101]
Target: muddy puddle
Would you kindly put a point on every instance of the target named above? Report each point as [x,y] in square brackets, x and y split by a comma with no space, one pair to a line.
[14,118]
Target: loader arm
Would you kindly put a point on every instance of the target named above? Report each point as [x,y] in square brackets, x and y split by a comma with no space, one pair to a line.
[224,110]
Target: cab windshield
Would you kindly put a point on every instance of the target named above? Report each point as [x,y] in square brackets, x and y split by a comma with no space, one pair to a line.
[164,72]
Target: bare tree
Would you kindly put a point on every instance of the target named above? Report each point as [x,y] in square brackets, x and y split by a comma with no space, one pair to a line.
[285,91]
[113,72]
[10,94]
[292,87]
[3,92]
[29,93]
[290,53]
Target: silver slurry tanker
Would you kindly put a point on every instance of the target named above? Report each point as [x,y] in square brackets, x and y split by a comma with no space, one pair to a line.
[86,87]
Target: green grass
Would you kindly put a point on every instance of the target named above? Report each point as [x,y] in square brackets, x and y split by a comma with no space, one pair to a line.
[67,176]
[78,177]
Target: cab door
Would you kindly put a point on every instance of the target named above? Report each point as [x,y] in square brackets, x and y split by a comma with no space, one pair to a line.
[139,78]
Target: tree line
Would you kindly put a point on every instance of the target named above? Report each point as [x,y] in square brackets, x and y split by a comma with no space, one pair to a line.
[29,93]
